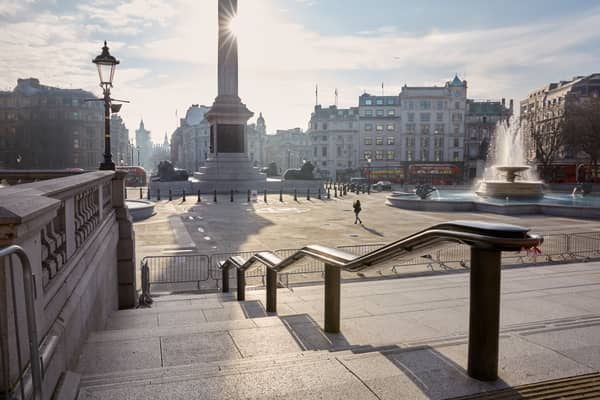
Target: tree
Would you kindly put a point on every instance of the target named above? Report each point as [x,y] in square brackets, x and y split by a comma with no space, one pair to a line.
[582,129]
[544,128]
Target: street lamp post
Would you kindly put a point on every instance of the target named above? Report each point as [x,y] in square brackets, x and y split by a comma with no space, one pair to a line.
[138,148]
[106,70]
[369,171]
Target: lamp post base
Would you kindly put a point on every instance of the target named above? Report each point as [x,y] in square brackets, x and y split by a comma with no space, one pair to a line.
[107,166]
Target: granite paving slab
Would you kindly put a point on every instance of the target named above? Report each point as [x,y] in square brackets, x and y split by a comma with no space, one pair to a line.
[197,348]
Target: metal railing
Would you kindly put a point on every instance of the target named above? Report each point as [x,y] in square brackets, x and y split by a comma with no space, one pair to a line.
[556,247]
[30,290]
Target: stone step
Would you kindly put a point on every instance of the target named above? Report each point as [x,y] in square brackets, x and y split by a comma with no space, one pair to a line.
[199,370]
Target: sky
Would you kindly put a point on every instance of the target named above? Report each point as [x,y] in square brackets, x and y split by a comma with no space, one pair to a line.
[168,50]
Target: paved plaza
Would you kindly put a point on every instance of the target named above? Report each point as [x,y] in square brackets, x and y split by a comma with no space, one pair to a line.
[179,227]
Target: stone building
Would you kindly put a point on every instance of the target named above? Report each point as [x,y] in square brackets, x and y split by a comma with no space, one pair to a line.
[257,137]
[380,139]
[44,127]
[143,144]
[190,141]
[287,148]
[481,120]
[333,134]
[546,106]
[120,145]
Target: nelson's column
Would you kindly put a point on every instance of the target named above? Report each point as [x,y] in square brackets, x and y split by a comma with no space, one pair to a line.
[228,166]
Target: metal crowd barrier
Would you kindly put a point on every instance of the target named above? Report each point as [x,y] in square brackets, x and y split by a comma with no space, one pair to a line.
[203,269]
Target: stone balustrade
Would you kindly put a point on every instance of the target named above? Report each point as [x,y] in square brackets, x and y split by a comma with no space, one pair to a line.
[78,236]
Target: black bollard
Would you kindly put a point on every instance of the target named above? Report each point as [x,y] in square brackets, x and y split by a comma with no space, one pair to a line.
[125,193]
[295,195]
[281,194]
[215,196]
[328,193]
[170,195]
[319,194]
[248,195]
[368,189]
[199,199]
[158,194]
[148,192]
[231,196]
[334,191]
[141,194]
[345,189]
[307,194]
[183,196]
[265,196]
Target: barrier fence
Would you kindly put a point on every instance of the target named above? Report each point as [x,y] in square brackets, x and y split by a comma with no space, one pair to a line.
[203,270]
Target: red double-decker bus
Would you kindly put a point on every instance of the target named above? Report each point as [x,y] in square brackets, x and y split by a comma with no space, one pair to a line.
[567,172]
[436,174]
[136,176]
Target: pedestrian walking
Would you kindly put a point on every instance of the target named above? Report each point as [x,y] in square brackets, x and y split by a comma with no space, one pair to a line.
[357,210]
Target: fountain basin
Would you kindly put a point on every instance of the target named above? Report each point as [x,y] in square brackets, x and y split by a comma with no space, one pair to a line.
[140,209]
[503,189]
[555,204]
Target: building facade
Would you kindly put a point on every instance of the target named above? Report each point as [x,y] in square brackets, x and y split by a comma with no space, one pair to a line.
[481,120]
[545,107]
[143,145]
[190,141]
[257,137]
[334,133]
[120,145]
[43,127]
[287,148]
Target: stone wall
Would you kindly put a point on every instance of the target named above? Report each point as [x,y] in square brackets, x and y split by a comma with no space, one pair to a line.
[76,233]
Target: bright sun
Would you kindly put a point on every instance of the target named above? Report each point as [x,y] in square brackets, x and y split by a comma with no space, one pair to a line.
[234,25]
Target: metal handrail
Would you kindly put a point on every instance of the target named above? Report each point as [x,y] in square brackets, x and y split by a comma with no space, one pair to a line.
[501,237]
[30,294]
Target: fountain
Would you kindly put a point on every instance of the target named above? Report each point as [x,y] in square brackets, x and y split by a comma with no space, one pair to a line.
[508,158]
[509,186]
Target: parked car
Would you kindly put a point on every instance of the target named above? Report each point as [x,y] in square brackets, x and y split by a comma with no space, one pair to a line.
[382,185]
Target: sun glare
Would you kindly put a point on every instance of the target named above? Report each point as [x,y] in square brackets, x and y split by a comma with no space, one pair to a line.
[234,25]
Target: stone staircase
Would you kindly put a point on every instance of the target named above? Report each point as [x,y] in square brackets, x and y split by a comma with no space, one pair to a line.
[208,346]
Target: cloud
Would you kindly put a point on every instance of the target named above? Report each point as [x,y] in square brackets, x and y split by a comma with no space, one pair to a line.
[168,56]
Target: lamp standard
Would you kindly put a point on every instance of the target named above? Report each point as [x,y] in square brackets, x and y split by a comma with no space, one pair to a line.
[132,159]
[106,70]
[138,148]
[369,170]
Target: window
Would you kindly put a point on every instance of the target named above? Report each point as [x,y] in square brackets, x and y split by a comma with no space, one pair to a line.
[389,155]
[455,156]
[324,137]
[411,117]
[457,129]
[440,105]
[368,141]
[379,127]
[439,117]
[438,155]
[411,128]
[324,126]
[391,140]
[75,143]
[425,104]
[424,154]
[391,113]
[438,142]
[456,142]
[368,102]
[379,102]
[379,140]
[324,151]
[379,112]
[379,155]
[425,117]
[339,151]
[411,105]
[456,117]
[439,129]
[367,155]
[457,105]
[368,113]
[350,125]
[391,127]
[425,129]
[410,155]
[424,142]
[324,163]
[368,127]
[410,142]
[390,101]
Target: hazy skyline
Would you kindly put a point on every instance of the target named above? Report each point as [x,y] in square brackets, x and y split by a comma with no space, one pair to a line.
[168,50]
